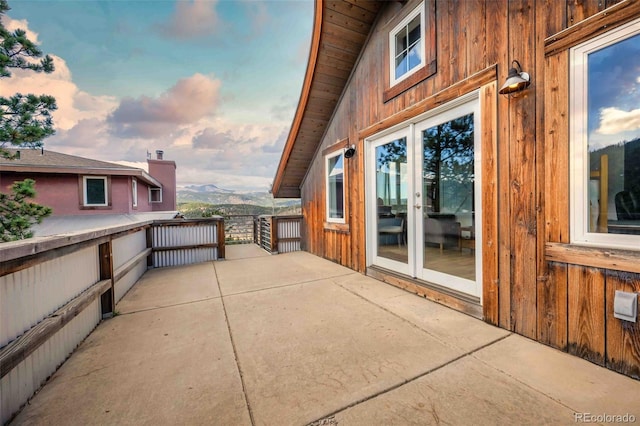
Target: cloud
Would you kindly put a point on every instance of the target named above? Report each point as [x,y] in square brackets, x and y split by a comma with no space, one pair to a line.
[192,19]
[614,120]
[278,145]
[188,101]
[212,139]
[88,132]
[14,24]
[73,104]
[193,122]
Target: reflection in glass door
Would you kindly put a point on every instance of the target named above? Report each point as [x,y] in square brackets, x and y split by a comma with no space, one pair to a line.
[391,189]
[424,198]
[449,214]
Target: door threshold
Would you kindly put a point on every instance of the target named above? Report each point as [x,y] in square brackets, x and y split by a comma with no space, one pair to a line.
[459,301]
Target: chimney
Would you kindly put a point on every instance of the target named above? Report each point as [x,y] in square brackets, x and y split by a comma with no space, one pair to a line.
[165,172]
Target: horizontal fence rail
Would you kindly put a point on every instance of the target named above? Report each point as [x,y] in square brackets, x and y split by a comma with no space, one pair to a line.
[55,290]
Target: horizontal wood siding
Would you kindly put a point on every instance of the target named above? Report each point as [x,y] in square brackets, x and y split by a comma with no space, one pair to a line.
[532,283]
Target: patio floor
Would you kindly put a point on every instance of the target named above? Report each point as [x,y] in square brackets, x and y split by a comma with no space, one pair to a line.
[294,339]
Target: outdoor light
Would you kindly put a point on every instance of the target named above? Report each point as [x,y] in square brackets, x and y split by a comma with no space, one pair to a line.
[350,152]
[517,80]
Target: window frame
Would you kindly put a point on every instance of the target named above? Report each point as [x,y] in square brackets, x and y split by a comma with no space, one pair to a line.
[134,192]
[105,181]
[578,137]
[151,190]
[428,24]
[419,10]
[327,158]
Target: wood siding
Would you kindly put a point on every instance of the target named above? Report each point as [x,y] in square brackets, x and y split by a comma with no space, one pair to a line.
[543,291]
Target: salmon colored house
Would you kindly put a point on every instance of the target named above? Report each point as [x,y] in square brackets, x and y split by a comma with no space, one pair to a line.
[73,185]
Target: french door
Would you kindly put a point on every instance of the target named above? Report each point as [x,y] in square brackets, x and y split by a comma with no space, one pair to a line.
[424,199]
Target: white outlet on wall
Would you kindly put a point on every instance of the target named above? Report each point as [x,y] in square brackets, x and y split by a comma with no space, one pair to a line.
[625,306]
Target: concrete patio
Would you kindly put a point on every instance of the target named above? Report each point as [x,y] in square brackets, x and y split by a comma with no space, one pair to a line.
[294,339]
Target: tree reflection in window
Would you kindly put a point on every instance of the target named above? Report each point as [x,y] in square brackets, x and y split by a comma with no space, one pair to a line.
[391,171]
[448,166]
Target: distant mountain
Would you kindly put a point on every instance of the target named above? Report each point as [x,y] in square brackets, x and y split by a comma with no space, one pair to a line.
[212,194]
[206,188]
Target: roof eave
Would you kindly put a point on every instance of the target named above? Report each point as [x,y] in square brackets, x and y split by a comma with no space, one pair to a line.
[32,168]
[278,191]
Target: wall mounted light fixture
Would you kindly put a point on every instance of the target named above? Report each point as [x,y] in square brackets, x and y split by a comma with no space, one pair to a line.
[350,152]
[517,80]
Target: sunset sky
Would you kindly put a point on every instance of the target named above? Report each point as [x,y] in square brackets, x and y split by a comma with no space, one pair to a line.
[213,83]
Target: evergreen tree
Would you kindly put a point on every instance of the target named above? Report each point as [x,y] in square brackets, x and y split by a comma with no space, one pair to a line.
[17,214]
[25,120]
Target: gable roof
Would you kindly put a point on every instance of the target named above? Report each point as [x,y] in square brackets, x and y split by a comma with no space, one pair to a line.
[340,31]
[45,161]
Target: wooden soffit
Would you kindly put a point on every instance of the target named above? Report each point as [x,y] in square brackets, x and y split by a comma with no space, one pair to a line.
[340,31]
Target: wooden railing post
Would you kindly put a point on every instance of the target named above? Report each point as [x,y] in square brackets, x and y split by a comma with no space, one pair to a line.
[256,229]
[108,298]
[273,223]
[220,232]
[150,245]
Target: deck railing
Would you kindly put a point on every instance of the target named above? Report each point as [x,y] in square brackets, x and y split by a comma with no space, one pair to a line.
[55,290]
[278,234]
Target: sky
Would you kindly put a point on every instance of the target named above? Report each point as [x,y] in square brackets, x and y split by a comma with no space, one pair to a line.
[614,93]
[212,83]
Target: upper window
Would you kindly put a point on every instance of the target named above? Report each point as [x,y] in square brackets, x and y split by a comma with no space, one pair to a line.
[94,189]
[406,46]
[134,192]
[155,195]
[335,186]
[605,139]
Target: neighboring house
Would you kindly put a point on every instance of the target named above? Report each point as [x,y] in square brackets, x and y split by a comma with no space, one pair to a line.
[417,164]
[73,185]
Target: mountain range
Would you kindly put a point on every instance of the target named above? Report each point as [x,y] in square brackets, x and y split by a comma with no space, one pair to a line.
[213,194]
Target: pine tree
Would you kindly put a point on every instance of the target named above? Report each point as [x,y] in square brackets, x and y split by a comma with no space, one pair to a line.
[25,120]
[17,214]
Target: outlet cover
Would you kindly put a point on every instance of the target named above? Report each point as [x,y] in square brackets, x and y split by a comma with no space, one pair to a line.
[625,306]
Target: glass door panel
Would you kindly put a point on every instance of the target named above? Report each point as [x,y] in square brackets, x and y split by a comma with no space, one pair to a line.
[423,189]
[449,201]
[391,190]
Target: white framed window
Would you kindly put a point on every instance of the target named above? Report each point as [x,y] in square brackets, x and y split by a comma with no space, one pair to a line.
[155,195]
[605,139]
[406,46]
[335,185]
[134,192]
[95,191]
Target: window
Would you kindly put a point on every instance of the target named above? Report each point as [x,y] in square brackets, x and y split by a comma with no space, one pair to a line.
[605,139]
[335,187]
[155,195]
[406,46]
[94,191]
[134,192]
